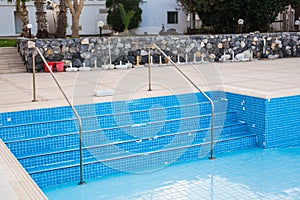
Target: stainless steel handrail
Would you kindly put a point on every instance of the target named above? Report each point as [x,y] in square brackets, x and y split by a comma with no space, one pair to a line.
[73,109]
[205,95]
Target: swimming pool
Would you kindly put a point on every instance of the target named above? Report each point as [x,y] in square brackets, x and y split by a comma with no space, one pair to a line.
[122,136]
[117,138]
[248,174]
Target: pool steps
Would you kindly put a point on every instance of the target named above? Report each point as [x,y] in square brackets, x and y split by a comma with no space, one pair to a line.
[16,145]
[92,159]
[102,151]
[50,148]
[70,123]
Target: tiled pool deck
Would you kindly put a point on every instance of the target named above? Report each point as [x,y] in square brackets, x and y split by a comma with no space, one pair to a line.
[264,79]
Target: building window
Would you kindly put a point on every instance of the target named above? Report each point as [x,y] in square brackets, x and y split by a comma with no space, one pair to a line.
[172,17]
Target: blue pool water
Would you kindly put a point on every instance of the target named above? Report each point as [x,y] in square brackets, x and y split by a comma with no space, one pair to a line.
[248,174]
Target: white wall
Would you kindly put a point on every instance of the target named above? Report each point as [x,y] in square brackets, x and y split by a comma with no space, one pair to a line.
[155,14]
[88,20]
[89,17]
[6,22]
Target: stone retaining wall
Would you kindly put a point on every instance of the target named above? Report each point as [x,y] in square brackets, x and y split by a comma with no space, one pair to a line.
[211,48]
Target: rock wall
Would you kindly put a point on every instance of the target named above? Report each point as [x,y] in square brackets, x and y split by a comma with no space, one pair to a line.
[211,48]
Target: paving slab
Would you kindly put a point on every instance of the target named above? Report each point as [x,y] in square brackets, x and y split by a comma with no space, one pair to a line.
[260,78]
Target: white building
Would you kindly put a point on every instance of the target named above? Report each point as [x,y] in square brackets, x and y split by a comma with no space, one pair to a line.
[159,13]
[155,14]
[285,21]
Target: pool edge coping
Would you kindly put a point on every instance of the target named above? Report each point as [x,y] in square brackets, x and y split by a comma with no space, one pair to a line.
[15,182]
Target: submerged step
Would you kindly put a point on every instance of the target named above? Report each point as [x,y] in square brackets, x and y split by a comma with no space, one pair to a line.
[57,127]
[138,163]
[155,104]
[94,158]
[47,142]
[124,148]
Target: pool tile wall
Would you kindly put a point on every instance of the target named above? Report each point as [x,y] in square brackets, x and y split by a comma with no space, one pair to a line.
[250,110]
[275,121]
[282,128]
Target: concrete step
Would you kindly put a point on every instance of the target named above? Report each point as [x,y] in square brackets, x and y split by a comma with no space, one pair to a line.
[10,57]
[8,50]
[13,70]
[10,54]
[12,65]
[11,61]
[20,68]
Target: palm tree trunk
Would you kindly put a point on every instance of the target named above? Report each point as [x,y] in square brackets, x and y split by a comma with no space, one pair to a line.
[25,20]
[62,20]
[42,31]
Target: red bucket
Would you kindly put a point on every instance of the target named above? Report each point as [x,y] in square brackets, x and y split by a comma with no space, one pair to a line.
[51,65]
[60,67]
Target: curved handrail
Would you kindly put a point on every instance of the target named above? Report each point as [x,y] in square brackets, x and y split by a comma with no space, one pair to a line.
[74,111]
[204,94]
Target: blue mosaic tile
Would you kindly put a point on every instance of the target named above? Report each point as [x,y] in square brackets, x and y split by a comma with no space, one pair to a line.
[275,121]
[144,134]
[250,110]
[282,122]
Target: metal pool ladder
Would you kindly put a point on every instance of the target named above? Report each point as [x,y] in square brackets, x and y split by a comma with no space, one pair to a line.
[67,99]
[203,93]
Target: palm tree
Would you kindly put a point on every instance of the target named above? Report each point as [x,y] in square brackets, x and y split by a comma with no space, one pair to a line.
[42,31]
[22,9]
[126,16]
[18,6]
[62,20]
[25,20]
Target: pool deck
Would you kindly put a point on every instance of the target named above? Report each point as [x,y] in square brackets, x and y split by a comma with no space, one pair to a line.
[260,78]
